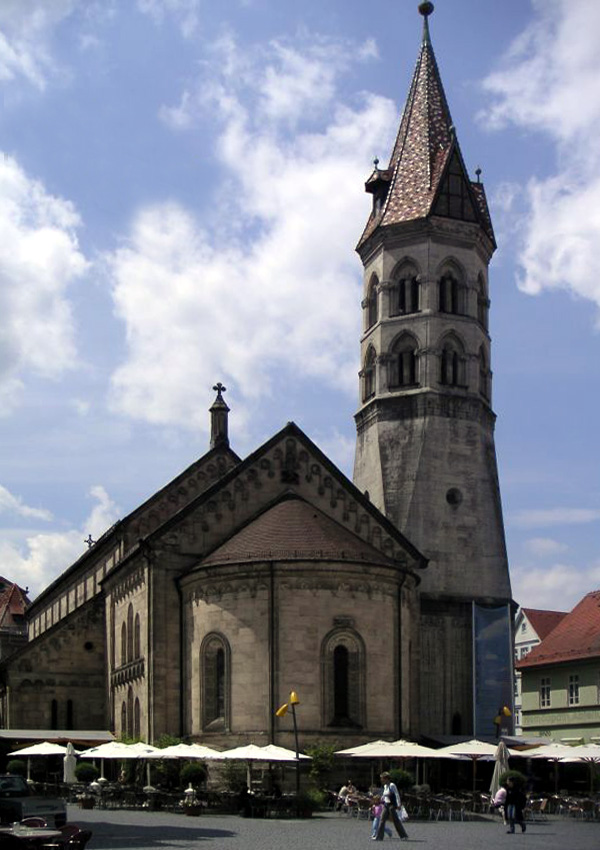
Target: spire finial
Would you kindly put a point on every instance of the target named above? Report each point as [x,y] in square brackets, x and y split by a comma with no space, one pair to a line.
[426,10]
[218,418]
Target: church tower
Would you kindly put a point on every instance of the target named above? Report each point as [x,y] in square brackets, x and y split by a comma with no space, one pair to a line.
[425,428]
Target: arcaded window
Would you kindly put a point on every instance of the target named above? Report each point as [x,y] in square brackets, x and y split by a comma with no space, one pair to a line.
[136,719]
[123,718]
[342,664]
[124,643]
[482,303]
[484,374]
[215,665]
[452,363]
[130,655]
[137,653]
[372,307]
[451,294]
[404,293]
[402,364]
[130,712]
[369,374]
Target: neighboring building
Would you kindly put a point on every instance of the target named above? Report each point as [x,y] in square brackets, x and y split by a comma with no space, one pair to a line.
[531,627]
[13,627]
[244,579]
[560,677]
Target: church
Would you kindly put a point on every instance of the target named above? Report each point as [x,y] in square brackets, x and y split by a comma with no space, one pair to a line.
[385,602]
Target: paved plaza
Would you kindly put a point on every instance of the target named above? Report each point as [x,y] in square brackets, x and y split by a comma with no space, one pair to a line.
[131,830]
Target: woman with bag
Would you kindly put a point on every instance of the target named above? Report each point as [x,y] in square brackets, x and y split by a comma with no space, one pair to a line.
[390,798]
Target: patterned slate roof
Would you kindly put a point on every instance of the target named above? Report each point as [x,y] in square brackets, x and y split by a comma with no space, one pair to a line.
[13,602]
[543,621]
[576,637]
[295,530]
[422,151]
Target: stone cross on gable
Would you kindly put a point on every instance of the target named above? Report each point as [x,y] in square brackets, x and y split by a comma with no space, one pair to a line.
[219,388]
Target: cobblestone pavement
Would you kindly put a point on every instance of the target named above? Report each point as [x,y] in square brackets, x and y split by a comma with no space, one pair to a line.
[132,830]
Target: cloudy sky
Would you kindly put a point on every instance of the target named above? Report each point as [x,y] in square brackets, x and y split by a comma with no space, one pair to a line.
[181,191]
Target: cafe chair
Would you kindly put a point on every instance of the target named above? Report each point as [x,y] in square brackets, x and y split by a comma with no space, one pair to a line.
[34,821]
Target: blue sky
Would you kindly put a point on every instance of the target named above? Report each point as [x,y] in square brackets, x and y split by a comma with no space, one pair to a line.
[181,191]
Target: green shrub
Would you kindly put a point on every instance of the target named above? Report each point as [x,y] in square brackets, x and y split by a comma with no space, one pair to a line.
[517,777]
[403,780]
[17,766]
[311,800]
[323,759]
[194,772]
[85,771]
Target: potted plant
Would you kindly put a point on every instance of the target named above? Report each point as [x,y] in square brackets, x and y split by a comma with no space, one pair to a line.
[85,771]
[192,773]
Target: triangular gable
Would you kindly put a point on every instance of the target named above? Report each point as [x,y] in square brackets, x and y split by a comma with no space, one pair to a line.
[287,463]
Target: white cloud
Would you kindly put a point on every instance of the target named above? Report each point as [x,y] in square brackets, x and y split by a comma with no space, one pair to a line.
[548,84]
[36,560]
[39,259]
[26,29]
[556,588]
[543,547]
[185,13]
[14,504]
[271,286]
[554,516]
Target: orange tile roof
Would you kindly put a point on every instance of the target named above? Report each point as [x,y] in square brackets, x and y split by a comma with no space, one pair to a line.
[13,602]
[543,621]
[576,637]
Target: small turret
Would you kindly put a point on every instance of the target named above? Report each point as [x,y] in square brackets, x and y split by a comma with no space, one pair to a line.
[219,413]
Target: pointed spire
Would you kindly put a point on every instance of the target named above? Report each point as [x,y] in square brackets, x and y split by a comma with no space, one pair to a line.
[219,418]
[426,150]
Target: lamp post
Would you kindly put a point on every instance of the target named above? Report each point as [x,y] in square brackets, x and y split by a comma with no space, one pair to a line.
[294,701]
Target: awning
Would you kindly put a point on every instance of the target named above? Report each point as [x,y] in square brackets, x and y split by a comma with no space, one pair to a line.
[58,736]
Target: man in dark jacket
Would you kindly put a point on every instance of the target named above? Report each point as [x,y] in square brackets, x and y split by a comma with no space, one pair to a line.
[515,803]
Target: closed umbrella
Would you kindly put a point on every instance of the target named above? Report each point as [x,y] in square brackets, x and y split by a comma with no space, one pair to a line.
[69,762]
[501,766]
[45,748]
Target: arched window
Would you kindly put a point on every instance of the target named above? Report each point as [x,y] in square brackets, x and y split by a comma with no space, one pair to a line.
[136,719]
[123,718]
[451,294]
[404,294]
[402,364]
[484,374]
[54,714]
[342,664]
[372,307]
[124,643]
[130,712]
[137,653]
[130,633]
[215,665]
[483,303]
[369,374]
[452,363]
[70,721]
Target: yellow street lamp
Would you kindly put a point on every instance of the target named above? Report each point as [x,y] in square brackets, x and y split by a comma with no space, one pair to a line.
[281,712]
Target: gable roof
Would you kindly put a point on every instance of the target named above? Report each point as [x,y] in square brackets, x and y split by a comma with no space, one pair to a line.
[543,622]
[426,174]
[576,637]
[13,603]
[291,530]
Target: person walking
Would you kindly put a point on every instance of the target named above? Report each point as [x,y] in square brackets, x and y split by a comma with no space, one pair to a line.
[376,811]
[390,797]
[515,804]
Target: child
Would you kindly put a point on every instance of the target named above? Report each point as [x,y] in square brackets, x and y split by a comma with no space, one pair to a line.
[376,810]
[499,802]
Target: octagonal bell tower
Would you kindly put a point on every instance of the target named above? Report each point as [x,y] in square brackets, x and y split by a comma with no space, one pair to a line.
[425,427]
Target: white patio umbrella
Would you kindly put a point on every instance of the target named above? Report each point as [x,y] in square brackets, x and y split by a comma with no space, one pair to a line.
[45,748]
[554,753]
[362,748]
[269,753]
[185,751]
[475,750]
[119,751]
[399,749]
[589,753]
[69,762]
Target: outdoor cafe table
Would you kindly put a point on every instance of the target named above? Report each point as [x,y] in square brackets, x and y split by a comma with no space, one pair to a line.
[29,834]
